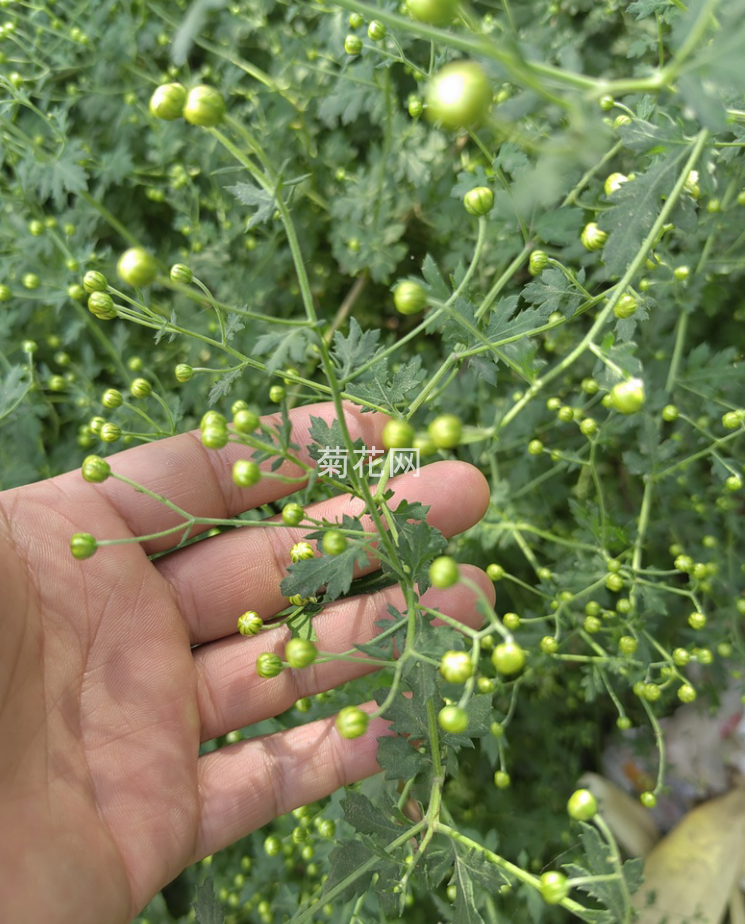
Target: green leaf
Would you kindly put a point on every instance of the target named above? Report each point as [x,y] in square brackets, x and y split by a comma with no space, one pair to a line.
[473,867]
[254,197]
[345,861]
[300,622]
[436,285]
[348,353]
[399,759]
[224,385]
[333,571]
[206,906]
[283,345]
[560,227]
[329,436]
[366,818]
[355,93]
[645,8]
[636,207]
[13,389]
[641,136]
[407,715]
[63,175]
[611,893]
[552,291]
[418,544]
[389,391]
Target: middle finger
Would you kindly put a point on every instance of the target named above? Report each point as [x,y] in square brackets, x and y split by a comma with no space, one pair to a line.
[227,669]
[216,580]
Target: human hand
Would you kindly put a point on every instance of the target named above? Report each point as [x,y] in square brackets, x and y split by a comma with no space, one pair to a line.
[113,670]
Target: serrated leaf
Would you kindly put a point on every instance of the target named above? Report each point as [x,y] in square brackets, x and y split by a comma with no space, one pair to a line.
[438,860]
[389,391]
[345,861]
[437,286]
[233,325]
[207,908]
[612,893]
[326,436]
[399,759]
[13,389]
[62,175]
[561,226]
[636,207]
[473,867]
[645,8]
[356,92]
[708,372]
[254,197]
[335,572]
[224,385]
[407,715]
[640,135]
[418,544]
[504,322]
[552,291]
[348,353]
[409,511]
[366,818]
[283,345]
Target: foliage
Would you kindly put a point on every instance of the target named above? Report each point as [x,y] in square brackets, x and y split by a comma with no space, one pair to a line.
[297,216]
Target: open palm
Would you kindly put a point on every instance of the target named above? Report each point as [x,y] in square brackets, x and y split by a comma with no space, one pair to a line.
[113,670]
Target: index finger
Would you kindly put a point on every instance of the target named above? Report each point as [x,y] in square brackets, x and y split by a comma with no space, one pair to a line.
[199,480]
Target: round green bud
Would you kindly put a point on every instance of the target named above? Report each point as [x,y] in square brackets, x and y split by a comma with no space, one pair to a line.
[214,437]
[409,297]
[613,182]
[213,419]
[376,31]
[592,237]
[141,388]
[101,304]
[204,106]
[582,805]
[538,262]
[137,267]
[625,307]
[292,514]
[628,397]
[167,102]
[250,623]
[301,551]
[443,572]
[351,722]
[246,473]
[453,719]
[269,664]
[95,469]
[479,201]
[82,545]
[110,433]
[180,272]
[245,421]
[459,95]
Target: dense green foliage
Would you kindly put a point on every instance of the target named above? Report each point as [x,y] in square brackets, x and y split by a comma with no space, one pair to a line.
[581,318]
